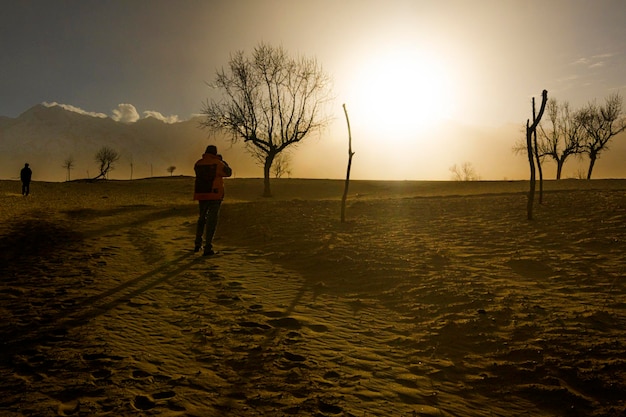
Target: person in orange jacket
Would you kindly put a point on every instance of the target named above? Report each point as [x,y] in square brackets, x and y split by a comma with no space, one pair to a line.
[209,192]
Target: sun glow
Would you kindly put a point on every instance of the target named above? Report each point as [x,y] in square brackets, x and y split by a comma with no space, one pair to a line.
[402,92]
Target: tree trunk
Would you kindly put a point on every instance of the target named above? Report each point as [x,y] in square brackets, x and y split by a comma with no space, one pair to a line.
[559,168]
[269,159]
[592,162]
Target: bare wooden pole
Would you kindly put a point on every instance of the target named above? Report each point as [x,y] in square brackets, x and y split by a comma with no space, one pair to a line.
[350,155]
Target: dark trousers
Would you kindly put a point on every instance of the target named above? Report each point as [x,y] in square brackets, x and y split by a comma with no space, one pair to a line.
[207,222]
[25,187]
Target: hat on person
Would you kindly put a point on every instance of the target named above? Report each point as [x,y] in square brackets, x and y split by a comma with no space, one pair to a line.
[212,149]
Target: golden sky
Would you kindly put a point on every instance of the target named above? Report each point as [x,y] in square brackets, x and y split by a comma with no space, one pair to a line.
[404,68]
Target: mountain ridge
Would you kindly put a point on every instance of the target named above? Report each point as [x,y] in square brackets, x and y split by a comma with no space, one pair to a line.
[46,136]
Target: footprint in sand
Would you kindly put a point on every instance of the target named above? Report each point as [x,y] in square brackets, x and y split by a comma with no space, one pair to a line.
[148,402]
[254,327]
[286,323]
[102,374]
[294,357]
[325,407]
[293,337]
[163,395]
[143,402]
[226,299]
[332,376]
[139,374]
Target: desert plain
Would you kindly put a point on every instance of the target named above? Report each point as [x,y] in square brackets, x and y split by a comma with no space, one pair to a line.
[431,299]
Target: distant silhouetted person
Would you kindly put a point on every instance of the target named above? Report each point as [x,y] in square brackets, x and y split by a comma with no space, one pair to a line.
[25,175]
[209,191]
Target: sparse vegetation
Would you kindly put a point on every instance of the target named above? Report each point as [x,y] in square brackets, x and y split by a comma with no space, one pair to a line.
[106,158]
[567,132]
[282,165]
[562,138]
[171,170]
[601,123]
[465,172]
[68,164]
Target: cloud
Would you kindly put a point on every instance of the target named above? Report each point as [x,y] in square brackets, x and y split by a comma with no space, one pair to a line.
[594,61]
[75,109]
[125,113]
[157,115]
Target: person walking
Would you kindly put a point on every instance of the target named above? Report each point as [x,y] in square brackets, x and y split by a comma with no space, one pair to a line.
[209,192]
[25,175]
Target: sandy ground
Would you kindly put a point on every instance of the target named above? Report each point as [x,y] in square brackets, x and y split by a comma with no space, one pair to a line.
[433,299]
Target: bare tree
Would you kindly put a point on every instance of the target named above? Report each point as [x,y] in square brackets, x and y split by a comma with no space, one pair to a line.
[562,138]
[465,172]
[538,158]
[531,129]
[600,124]
[171,170]
[281,165]
[106,158]
[350,155]
[68,164]
[269,100]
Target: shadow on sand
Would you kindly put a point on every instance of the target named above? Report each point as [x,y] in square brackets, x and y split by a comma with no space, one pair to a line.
[34,281]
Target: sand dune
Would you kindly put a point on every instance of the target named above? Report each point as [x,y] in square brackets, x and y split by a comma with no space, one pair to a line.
[433,299]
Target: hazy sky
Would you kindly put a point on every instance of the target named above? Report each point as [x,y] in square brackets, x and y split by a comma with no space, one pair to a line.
[476,62]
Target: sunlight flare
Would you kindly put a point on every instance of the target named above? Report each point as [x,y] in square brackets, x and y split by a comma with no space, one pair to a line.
[402,92]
